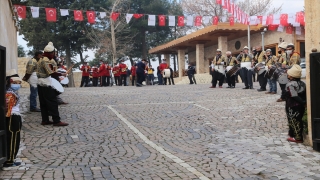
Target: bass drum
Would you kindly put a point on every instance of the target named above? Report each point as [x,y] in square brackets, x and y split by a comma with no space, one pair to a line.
[56,86]
[166,73]
[283,78]
[64,81]
[220,69]
[272,73]
[233,70]
[262,68]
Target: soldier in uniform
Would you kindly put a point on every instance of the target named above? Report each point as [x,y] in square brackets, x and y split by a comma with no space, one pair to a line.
[123,73]
[218,62]
[270,61]
[31,77]
[282,59]
[48,95]
[246,74]
[260,57]
[231,61]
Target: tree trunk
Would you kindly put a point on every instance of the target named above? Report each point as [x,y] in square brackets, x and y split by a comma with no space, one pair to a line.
[113,39]
[131,61]
[159,58]
[68,59]
[144,44]
[81,56]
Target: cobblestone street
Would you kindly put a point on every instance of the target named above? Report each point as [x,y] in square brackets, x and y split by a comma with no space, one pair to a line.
[164,132]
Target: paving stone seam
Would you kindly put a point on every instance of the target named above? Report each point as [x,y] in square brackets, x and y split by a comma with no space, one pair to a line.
[158,148]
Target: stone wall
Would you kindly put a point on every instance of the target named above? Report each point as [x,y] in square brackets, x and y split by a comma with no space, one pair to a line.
[8,34]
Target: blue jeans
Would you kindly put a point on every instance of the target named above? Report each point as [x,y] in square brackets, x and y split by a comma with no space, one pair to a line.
[272,85]
[33,97]
[160,79]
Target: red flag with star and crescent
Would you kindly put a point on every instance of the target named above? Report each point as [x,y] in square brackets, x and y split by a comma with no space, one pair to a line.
[269,20]
[21,10]
[137,16]
[231,20]
[225,4]
[91,17]
[229,6]
[78,15]
[289,29]
[219,2]
[51,14]
[272,27]
[114,16]
[260,19]
[162,20]
[284,19]
[215,20]
[180,20]
[300,18]
[198,20]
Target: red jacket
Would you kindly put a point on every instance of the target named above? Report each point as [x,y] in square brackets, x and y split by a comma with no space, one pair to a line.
[95,72]
[104,70]
[123,69]
[163,66]
[116,71]
[85,70]
[133,71]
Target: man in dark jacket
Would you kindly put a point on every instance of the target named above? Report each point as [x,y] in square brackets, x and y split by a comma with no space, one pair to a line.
[191,71]
[141,66]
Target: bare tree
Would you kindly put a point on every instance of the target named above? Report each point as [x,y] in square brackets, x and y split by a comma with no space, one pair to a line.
[258,7]
[113,38]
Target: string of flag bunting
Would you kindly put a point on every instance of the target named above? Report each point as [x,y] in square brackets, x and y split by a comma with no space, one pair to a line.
[235,14]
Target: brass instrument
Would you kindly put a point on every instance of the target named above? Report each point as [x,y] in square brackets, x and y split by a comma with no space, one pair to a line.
[123,70]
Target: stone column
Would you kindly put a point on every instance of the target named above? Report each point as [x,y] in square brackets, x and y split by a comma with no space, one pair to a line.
[223,44]
[200,58]
[181,62]
[167,57]
[312,38]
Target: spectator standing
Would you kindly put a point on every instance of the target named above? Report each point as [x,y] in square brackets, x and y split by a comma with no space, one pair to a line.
[160,78]
[150,75]
[191,71]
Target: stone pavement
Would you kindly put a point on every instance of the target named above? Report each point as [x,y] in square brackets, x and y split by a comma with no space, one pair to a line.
[164,132]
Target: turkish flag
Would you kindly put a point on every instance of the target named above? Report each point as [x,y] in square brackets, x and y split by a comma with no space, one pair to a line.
[114,16]
[289,29]
[162,20]
[215,20]
[78,15]
[229,6]
[260,19]
[21,10]
[51,14]
[91,17]
[270,20]
[198,21]
[137,16]
[232,9]
[219,2]
[284,19]
[246,22]
[300,18]
[225,5]
[180,20]
[231,20]
[272,27]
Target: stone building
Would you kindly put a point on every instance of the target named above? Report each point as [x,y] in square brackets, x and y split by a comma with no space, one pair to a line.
[200,46]
[8,33]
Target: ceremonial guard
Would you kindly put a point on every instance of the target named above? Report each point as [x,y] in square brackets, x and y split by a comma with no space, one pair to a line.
[32,79]
[95,76]
[116,74]
[295,103]
[231,62]
[246,67]
[282,60]
[13,120]
[141,66]
[270,62]
[47,94]
[218,69]
[123,73]
[260,58]
[162,67]
[85,68]
[133,73]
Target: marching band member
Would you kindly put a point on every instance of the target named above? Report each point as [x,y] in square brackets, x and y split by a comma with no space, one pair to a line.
[102,73]
[47,95]
[246,74]
[292,57]
[31,77]
[271,60]
[219,62]
[85,68]
[141,66]
[282,59]
[231,61]
[123,73]
[295,103]
[133,73]
[108,73]
[116,74]
[95,76]
[260,57]
[162,67]
[13,119]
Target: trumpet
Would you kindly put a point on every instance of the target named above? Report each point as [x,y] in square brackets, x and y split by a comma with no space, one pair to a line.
[123,70]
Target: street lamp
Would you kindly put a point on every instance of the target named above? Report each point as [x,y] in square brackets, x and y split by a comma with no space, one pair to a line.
[262,34]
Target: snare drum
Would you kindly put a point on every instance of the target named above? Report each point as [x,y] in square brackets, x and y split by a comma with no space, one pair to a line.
[56,85]
[262,68]
[246,65]
[166,73]
[220,69]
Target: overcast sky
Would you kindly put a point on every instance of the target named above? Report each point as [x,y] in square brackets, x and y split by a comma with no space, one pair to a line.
[288,6]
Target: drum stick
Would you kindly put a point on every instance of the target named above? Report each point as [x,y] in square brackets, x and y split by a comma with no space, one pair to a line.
[69,69]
